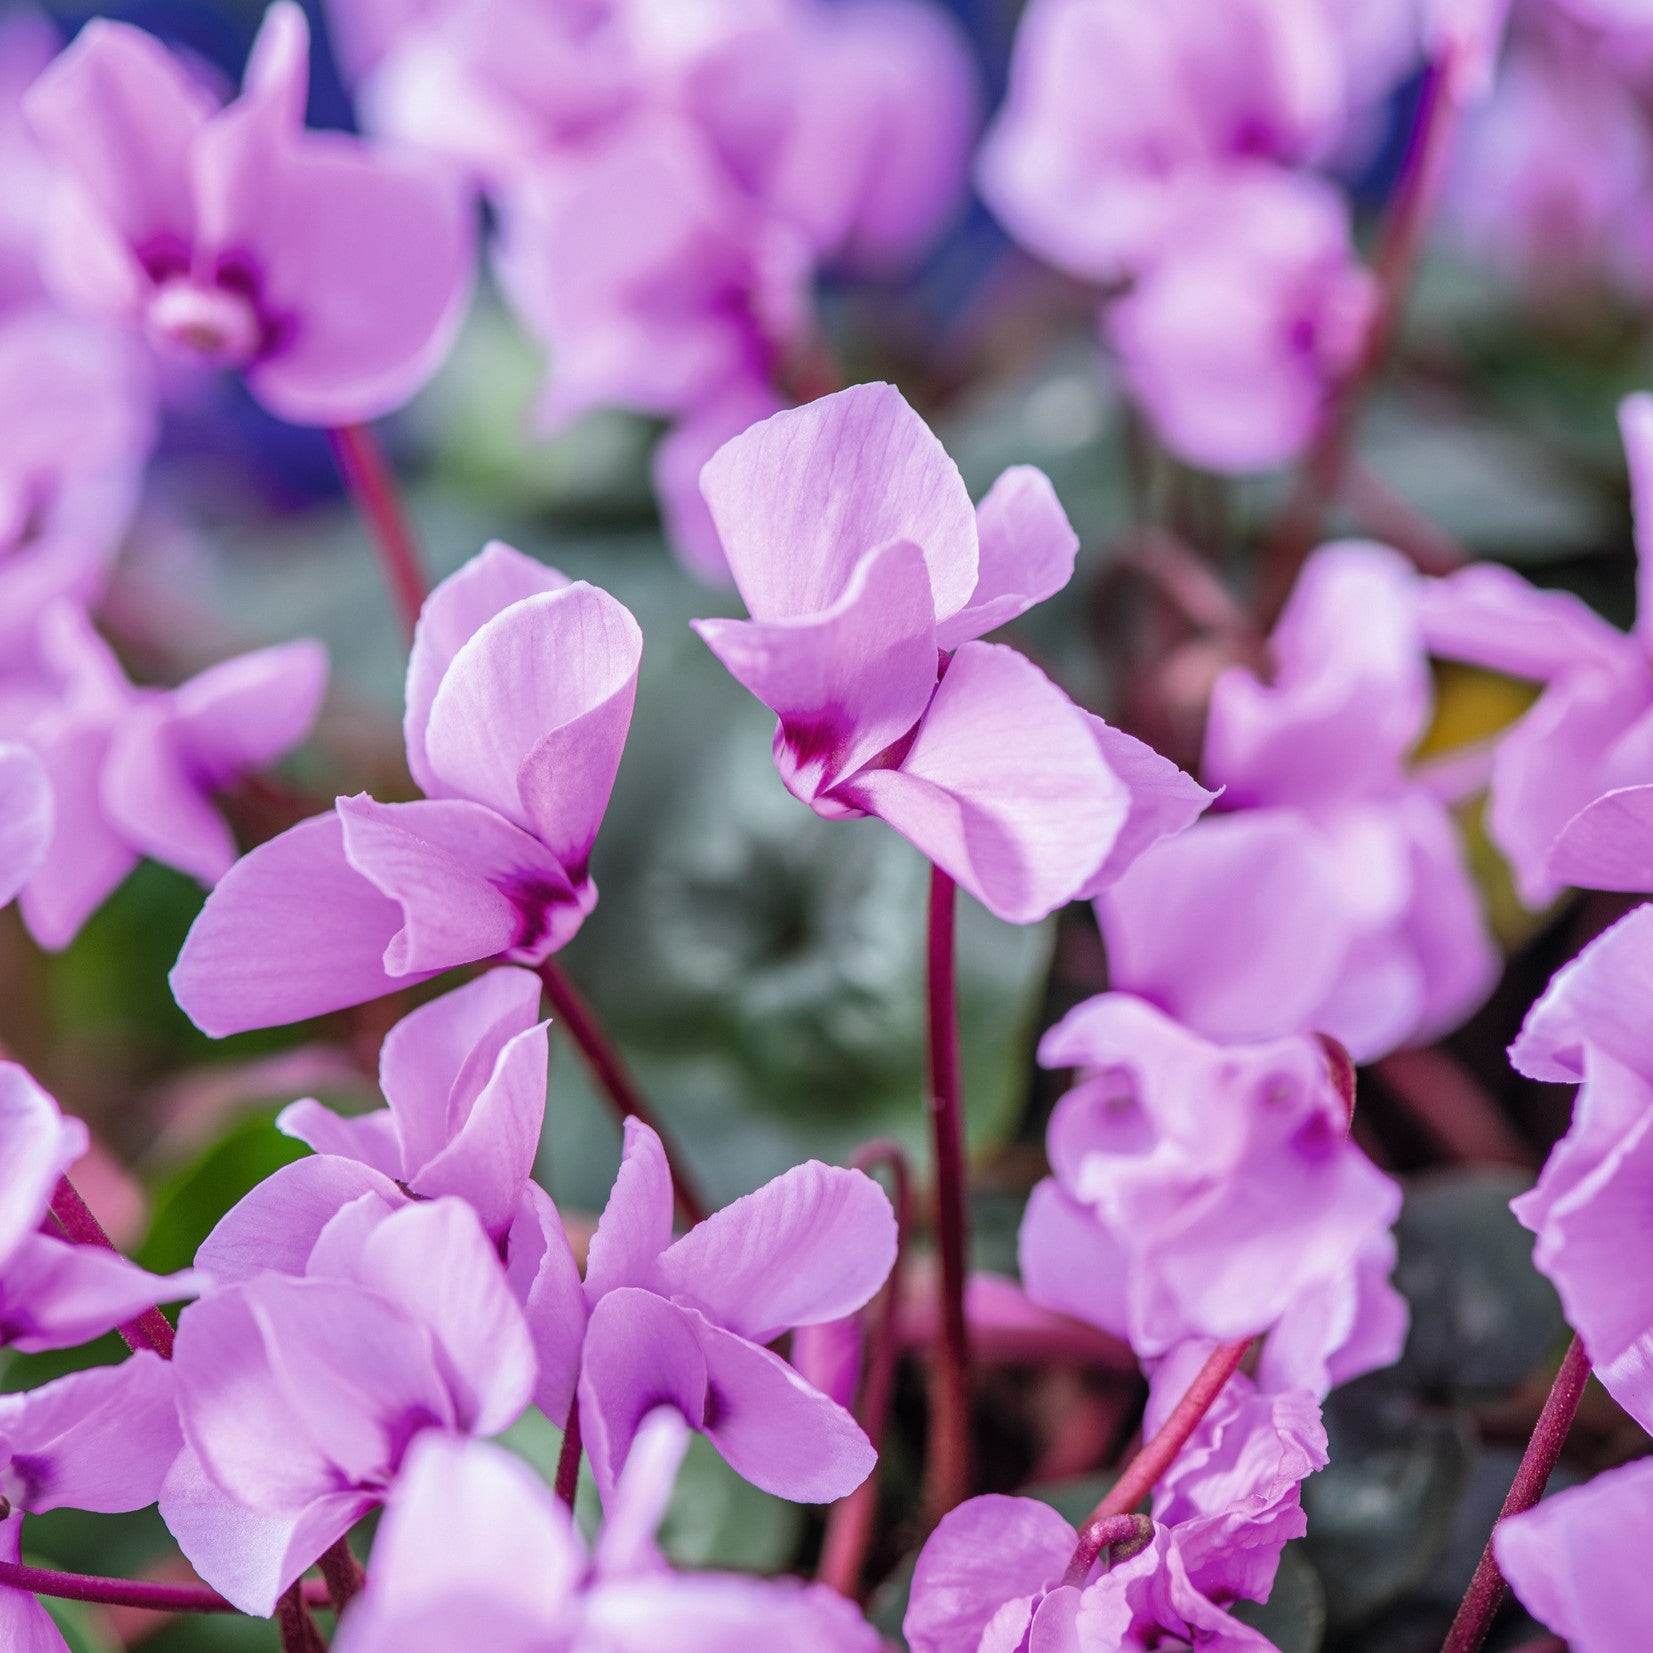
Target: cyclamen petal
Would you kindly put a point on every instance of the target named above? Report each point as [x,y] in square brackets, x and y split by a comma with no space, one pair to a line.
[37,1145]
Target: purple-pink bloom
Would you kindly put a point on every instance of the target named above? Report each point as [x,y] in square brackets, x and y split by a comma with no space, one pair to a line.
[1238,331]
[684,1323]
[1572,780]
[55,1294]
[77,420]
[332,273]
[519,694]
[1590,1208]
[475,1550]
[299,1396]
[870,578]
[1578,1561]
[1329,892]
[99,1440]
[1202,1190]
[25,817]
[133,770]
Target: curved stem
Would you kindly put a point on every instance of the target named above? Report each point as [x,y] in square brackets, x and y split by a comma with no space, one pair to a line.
[1157,1455]
[341,1573]
[849,1526]
[143,1594]
[1486,1589]
[298,1630]
[372,485]
[948,1465]
[568,1460]
[151,1329]
[611,1073]
[1114,1537]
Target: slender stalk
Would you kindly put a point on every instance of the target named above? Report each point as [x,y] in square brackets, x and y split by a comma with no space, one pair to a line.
[568,1460]
[298,1630]
[1143,1472]
[948,1465]
[143,1594]
[1486,1589]
[1108,1538]
[342,1574]
[849,1526]
[372,484]
[151,1329]
[611,1073]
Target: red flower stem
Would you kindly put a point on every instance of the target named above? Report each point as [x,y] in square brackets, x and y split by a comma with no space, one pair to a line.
[342,1574]
[298,1630]
[151,1329]
[849,1526]
[372,485]
[948,1456]
[1117,1536]
[611,1074]
[148,1597]
[568,1460]
[1486,1589]
[1324,472]
[1143,1472]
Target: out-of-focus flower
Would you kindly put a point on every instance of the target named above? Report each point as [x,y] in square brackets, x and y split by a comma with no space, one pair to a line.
[28,42]
[77,420]
[519,694]
[54,1294]
[100,1440]
[473,1546]
[991,1577]
[299,1397]
[1572,780]
[1331,894]
[332,273]
[1234,337]
[25,817]
[1203,1190]
[684,1323]
[1578,1561]
[852,539]
[1590,1208]
[133,769]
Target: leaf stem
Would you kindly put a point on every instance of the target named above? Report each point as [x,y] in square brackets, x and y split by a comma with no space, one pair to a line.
[151,1329]
[372,485]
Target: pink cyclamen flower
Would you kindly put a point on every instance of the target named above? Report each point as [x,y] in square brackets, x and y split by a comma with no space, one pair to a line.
[133,770]
[55,1294]
[1202,1190]
[332,273]
[851,536]
[1239,330]
[299,1397]
[991,1579]
[1572,780]
[685,1323]
[99,1440]
[519,694]
[29,40]
[1590,1207]
[474,1548]
[77,420]
[25,817]
[1578,1561]
[1330,893]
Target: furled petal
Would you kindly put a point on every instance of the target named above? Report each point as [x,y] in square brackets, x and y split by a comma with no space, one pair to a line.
[985,1553]
[642,1495]
[531,715]
[1608,845]
[278,63]
[546,1281]
[772,1428]
[1070,1263]
[25,817]
[1027,550]
[813,1245]
[55,1295]
[641,1352]
[37,1145]
[845,683]
[98,1440]
[292,931]
[1165,800]
[274,1227]
[495,578]
[369,1138]
[1003,787]
[799,499]
[636,1224]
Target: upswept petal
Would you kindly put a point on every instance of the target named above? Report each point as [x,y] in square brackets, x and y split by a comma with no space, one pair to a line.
[636,1224]
[771,1427]
[37,1145]
[291,931]
[1070,1263]
[1608,845]
[1003,787]
[813,1245]
[55,1295]
[531,715]
[545,1280]
[249,711]
[1027,551]
[1165,800]
[495,578]
[642,1495]
[368,1138]
[151,795]
[25,817]
[845,683]
[799,499]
